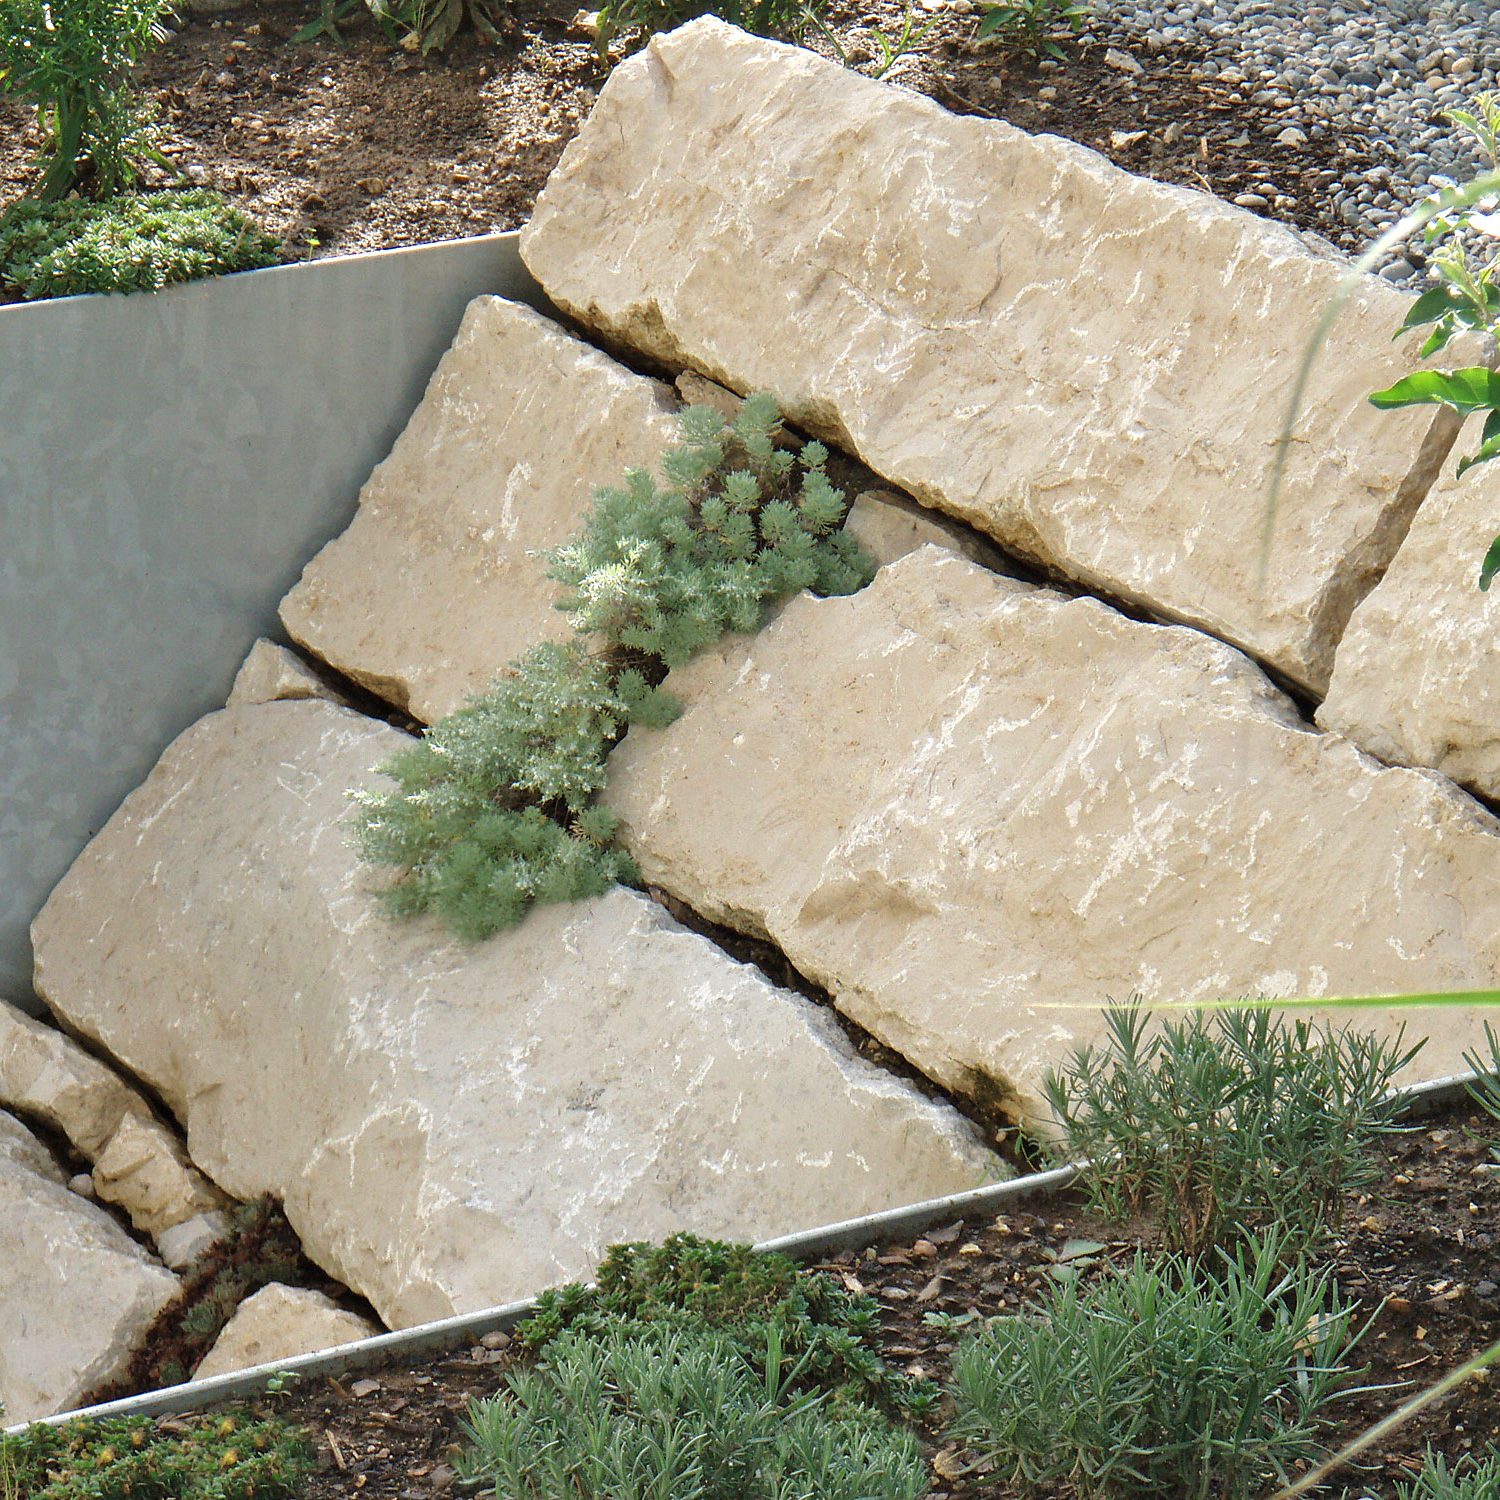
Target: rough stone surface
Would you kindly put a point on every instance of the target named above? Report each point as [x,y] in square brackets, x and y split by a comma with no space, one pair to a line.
[76,1294]
[138,1163]
[433,587]
[279,1322]
[450,1126]
[888,527]
[272,674]
[1088,365]
[976,810]
[184,1243]
[1414,680]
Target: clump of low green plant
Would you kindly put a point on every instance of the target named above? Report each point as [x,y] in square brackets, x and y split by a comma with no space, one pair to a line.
[639,20]
[132,243]
[1472,1479]
[669,1411]
[1169,1379]
[229,1456]
[1034,28]
[757,1302]
[72,59]
[421,25]
[1220,1124]
[494,809]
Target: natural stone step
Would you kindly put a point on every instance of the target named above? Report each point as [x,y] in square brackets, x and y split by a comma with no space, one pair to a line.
[138,1163]
[280,1322]
[451,1126]
[77,1295]
[1415,680]
[1091,366]
[434,586]
[975,811]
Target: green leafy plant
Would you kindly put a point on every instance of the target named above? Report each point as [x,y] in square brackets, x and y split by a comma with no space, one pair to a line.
[126,244]
[657,1413]
[229,1456]
[755,1301]
[420,25]
[73,60]
[1471,1480]
[1168,1380]
[1466,299]
[638,20]
[1217,1125]
[1034,28]
[904,43]
[494,809]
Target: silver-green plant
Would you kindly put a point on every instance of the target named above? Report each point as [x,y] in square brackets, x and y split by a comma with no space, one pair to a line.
[1476,1479]
[674,1413]
[494,809]
[1235,1121]
[1168,1380]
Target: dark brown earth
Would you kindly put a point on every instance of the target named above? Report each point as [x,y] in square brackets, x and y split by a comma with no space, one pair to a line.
[1421,1254]
[364,145]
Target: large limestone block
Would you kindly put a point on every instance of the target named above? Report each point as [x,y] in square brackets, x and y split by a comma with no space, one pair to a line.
[451,1125]
[280,1322]
[435,585]
[1414,680]
[76,1294]
[976,810]
[1091,366]
[138,1163]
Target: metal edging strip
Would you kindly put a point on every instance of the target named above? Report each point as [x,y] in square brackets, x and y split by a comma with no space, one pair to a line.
[451,1333]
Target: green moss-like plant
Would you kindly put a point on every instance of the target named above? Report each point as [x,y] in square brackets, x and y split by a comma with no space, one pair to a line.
[825,1332]
[494,810]
[137,243]
[228,1456]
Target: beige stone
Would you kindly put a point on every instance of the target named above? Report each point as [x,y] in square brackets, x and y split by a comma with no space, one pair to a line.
[76,1294]
[436,585]
[280,1322]
[272,674]
[138,1163]
[1414,680]
[975,811]
[451,1126]
[1090,366]
[889,526]
[184,1243]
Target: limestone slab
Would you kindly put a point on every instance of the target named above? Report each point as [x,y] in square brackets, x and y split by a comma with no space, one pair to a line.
[1091,366]
[1414,680]
[77,1295]
[279,1322]
[451,1126]
[435,585]
[138,1163]
[271,674]
[976,811]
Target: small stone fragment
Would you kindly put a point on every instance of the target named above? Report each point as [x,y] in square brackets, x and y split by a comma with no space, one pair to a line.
[280,1322]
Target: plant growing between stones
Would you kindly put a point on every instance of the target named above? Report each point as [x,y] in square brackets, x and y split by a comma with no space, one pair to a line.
[660,1412]
[73,60]
[756,1301]
[493,810]
[229,1456]
[127,244]
[1219,1125]
[1173,1379]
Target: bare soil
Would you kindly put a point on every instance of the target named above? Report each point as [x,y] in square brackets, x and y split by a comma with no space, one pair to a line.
[363,145]
[1420,1255]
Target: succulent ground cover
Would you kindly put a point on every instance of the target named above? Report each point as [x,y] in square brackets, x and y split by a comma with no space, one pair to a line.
[1421,1244]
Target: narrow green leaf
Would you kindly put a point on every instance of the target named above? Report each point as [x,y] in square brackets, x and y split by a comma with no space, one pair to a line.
[1490,566]
[1430,306]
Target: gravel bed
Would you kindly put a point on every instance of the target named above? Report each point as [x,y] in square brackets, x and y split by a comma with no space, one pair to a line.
[1379,72]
